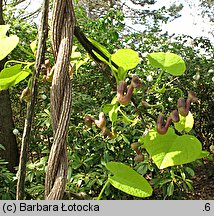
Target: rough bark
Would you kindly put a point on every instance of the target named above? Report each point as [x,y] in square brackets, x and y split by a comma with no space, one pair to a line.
[7,138]
[63,22]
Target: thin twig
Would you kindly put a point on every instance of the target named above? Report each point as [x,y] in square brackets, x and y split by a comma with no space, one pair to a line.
[30,107]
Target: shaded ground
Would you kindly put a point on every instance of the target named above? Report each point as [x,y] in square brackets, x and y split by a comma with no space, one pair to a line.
[203,183]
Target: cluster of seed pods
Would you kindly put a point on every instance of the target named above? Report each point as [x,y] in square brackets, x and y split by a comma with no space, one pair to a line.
[124,97]
[183,107]
[101,123]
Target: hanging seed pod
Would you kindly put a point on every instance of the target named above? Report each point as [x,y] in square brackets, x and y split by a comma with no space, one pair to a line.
[101,123]
[123,96]
[160,128]
[135,145]
[89,120]
[139,158]
[175,116]
[183,107]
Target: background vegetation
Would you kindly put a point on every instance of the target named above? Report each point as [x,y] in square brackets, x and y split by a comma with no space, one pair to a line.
[88,151]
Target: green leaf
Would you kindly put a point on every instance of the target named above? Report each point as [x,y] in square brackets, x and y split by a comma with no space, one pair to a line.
[126,118]
[143,169]
[7,44]
[162,182]
[114,100]
[126,58]
[70,172]
[75,55]
[2,162]
[102,49]
[190,171]
[185,123]
[204,154]
[125,139]
[12,75]
[189,184]
[183,176]
[128,180]
[33,46]
[30,176]
[170,62]
[3,30]
[76,163]
[121,73]
[170,149]
[107,108]
[79,64]
[113,113]
[170,189]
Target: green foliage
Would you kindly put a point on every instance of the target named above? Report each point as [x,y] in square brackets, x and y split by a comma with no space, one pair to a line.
[77,60]
[102,49]
[33,46]
[174,182]
[7,44]
[185,124]
[10,76]
[126,58]
[128,180]
[166,150]
[113,113]
[92,92]
[13,75]
[171,149]
[88,156]
[8,185]
[170,62]
[35,178]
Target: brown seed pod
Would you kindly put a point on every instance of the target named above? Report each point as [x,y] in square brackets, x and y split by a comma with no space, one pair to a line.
[175,116]
[183,106]
[136,83]
[26,95]
[106,132]
[124,98]
[135,145]
[89,120]
[160,128]
[102,121]
[139,158]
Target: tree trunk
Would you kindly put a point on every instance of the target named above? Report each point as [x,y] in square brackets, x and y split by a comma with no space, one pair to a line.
[7,138]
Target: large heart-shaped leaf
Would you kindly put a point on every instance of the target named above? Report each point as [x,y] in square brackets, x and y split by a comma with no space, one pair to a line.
[185,123]
[171,149]
[126,58]
[170,62]
[7,44]
[128,180]
[12,75]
